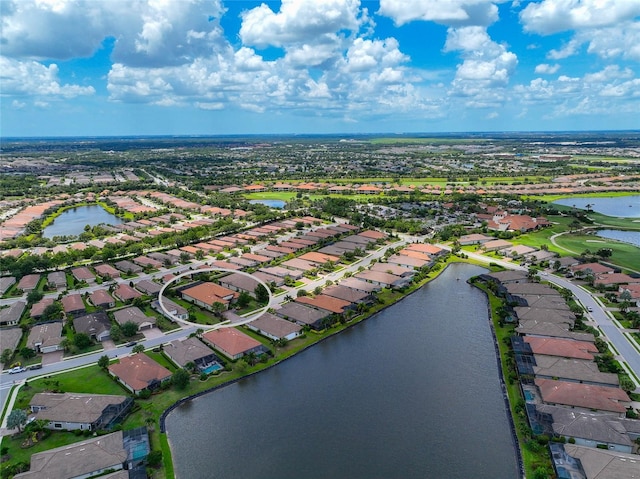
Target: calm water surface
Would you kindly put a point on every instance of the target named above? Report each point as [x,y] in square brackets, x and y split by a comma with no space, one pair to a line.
[632,237]
[279,204]
[73,221]
[412,392]
[619,206]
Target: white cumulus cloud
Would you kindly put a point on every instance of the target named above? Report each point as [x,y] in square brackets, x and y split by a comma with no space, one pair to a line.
[35,79]
[446,12]
[546,69]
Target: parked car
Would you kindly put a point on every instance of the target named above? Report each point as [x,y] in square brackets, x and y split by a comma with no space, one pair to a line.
[590,309]
[35,366]
[130,343]
[17,369]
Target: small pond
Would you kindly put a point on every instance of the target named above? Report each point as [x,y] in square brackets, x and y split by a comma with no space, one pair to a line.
[73,221]
[279,204]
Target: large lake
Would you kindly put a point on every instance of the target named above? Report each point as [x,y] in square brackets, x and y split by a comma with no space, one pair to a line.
[413,392]
[618,206]
[632,237]
[73,221]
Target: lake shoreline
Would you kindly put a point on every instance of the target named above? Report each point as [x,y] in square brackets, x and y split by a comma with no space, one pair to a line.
[501,378]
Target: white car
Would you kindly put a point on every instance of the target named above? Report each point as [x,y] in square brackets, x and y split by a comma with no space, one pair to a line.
[17,370]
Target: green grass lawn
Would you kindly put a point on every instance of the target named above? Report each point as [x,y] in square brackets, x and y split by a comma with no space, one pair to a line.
[624,255]
[90,379]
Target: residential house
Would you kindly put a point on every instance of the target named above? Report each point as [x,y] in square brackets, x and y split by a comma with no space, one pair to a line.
[496,245]
[57,280]
[96,325]
[613,280]
[37,310]
[190,350]
[86,412]
[128,267]
[283,272]
[100,298]
[83,273]
[106,271]
[268,278]
[139,372]
[572,370]
[394,269]
[91,457]
[133,314]
[319,258]
[302,314]
[275,328]
[29,282]
[72,304]
[634,291]
[475,238]
[164,258]
[10,338]
[507,276]
[595,269]
[207,294]
[360,285]
[587,428]
[299,265]
[148,287]
[347,294]
[408,261]
[46,337]
[326,303]
[583,396]
[233,343]
[426,248]
[5,283]
[380,278]
[565,348]
[517,251]
[175,310]
[240,282]
[147,262]
[125,293]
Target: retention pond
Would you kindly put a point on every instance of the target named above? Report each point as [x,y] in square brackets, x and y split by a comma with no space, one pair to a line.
[412,392]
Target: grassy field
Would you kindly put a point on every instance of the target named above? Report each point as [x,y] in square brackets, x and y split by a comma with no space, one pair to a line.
[624,255]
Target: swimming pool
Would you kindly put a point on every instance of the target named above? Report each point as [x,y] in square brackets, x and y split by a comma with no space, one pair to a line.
[212,368]
[528,395]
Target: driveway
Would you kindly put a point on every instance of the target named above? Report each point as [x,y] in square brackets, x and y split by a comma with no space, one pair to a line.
[108,344]
[152,333]
[53,357]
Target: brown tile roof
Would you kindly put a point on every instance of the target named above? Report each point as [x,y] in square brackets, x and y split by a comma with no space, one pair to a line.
[209,293]
[138,371]
[230,341]
[565,348]
[586,396]
[328,303]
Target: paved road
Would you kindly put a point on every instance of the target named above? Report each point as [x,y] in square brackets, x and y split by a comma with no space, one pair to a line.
[7,381]
[626,350]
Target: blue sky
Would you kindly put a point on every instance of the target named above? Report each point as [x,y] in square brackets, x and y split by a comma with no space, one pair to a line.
[208,67]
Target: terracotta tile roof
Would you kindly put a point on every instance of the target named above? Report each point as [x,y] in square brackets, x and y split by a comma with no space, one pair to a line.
[139,371]
[230,341]
[586,396]
[328,303]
